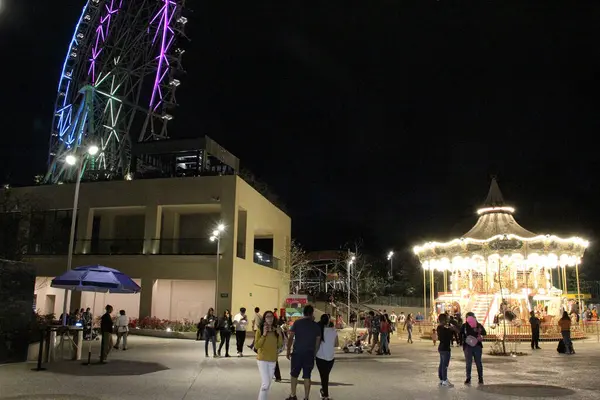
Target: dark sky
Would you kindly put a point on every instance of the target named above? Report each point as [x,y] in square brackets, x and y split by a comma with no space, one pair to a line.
[381,120]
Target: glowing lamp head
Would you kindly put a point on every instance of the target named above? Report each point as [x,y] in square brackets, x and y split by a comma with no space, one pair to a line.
[213,238]
[93,150]
[70,159]
[215,233]
[221,227]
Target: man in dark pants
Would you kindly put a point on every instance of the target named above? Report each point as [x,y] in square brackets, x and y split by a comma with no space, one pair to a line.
[106,329]
[240,322]
[307,336]
[535,331]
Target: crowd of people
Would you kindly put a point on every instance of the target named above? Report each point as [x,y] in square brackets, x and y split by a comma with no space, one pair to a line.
[305,342]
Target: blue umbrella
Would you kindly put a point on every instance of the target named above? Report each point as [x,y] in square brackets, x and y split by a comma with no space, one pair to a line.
[96,278]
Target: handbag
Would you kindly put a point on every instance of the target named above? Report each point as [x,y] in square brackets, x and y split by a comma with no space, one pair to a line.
[471,341]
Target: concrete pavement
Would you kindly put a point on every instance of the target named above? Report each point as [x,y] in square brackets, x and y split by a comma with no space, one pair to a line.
[176,369]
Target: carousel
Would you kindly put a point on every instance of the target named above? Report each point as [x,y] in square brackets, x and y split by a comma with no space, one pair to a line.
[501,272]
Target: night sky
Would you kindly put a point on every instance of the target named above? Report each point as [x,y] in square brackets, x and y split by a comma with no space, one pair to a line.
[379,121]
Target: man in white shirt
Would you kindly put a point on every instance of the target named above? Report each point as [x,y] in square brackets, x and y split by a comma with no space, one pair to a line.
[240,322]
[393,320]
[122,324]
[401,321]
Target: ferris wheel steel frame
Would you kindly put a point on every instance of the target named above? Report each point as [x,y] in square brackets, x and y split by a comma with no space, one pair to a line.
[117,83]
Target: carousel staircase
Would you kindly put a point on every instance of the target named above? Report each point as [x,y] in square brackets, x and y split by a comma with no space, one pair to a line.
[481,307]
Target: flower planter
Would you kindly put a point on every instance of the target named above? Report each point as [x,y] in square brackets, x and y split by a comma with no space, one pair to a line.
[163,334]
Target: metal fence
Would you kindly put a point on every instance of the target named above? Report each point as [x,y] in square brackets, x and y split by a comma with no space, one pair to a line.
[589,330]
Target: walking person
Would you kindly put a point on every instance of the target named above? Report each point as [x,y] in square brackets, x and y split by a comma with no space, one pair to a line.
[256,322]
[122,324]
[535,331]
[225,327]
[267,342]
[240,322]
[106,330]
[408,324]
[472,333]
[565,329]
[305,335]
[445,331]
[210,332]
[385,328]
[326,353]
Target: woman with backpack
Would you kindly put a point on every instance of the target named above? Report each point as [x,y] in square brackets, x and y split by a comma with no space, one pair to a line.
[472,333]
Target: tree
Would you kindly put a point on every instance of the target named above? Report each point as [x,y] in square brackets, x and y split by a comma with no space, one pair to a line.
[15,214]
[366,282]
[262,188]
[297,264]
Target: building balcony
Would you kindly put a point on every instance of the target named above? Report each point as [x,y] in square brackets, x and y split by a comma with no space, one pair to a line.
[48,247]
[114,246]
[266,260]
[187,246]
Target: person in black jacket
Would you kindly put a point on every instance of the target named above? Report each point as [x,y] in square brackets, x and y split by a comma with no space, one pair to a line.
[225,329]
[535,331]
[106,329]
[472,333]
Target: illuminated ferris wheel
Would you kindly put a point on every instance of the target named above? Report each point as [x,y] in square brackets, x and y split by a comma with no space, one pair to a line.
[117,84]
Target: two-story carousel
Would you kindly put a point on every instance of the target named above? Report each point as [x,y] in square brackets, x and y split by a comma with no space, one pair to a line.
[501,271]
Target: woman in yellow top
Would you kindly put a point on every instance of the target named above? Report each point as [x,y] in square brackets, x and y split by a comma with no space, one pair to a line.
[267,342]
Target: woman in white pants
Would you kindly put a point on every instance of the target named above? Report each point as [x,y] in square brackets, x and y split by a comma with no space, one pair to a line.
[267,342]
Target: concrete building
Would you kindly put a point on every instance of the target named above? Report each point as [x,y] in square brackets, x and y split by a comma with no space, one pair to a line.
[157,231]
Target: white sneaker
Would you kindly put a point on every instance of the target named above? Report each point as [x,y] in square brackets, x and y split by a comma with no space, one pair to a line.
[447,384]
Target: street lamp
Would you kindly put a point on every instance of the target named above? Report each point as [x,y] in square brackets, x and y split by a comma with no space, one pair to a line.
[350,262]
[390,258]
[216,236]
[72,159]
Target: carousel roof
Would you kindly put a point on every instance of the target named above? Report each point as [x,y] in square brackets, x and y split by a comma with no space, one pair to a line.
[496,218]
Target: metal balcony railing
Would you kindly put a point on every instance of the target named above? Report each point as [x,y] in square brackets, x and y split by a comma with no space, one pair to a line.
[187,246]
[48,247]
[266,260]
[114,246]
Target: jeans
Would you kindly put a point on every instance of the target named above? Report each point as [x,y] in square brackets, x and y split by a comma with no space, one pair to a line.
[470,354]
[240,338]
[409,330]
[385,342]
[444,363]
[567,340]
[211,336]
[225,336]
[324,368]
[535,338]
[119,336]
[266,369]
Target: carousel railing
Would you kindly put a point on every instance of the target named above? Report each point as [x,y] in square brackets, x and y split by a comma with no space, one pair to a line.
[520,332]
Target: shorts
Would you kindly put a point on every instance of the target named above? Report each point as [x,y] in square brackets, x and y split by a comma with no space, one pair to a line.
[302,361]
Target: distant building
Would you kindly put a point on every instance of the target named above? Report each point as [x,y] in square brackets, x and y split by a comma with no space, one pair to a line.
[157,231]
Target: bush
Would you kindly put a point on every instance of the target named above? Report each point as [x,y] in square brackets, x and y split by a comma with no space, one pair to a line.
[162,324]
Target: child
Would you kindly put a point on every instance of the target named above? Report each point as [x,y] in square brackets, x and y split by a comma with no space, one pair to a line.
[434,336]
[445,332]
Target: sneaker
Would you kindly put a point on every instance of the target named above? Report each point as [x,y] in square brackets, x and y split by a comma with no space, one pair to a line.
[447,384]
[291,398]
[468,381]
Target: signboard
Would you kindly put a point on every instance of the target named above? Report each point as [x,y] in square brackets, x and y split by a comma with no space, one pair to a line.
[333,276]
[296,299]
[224,295]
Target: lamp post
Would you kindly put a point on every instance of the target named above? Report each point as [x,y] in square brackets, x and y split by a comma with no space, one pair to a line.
[390,258]
[216,236]
[71,159]
[350,262]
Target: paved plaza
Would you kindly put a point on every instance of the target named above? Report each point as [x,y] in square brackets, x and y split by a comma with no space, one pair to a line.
[176,369]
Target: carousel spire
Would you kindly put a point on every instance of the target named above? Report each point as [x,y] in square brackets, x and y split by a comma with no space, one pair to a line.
[494,197]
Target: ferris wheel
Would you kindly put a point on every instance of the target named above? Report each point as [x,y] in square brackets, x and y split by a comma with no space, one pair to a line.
[117,84]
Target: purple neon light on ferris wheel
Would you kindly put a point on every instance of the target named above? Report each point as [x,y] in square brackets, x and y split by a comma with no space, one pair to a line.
[167,36]
[102,32]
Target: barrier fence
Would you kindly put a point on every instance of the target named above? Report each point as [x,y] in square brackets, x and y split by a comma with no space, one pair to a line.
[548,332]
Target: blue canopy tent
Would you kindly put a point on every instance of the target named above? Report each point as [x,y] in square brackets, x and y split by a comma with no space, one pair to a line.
[97,279]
